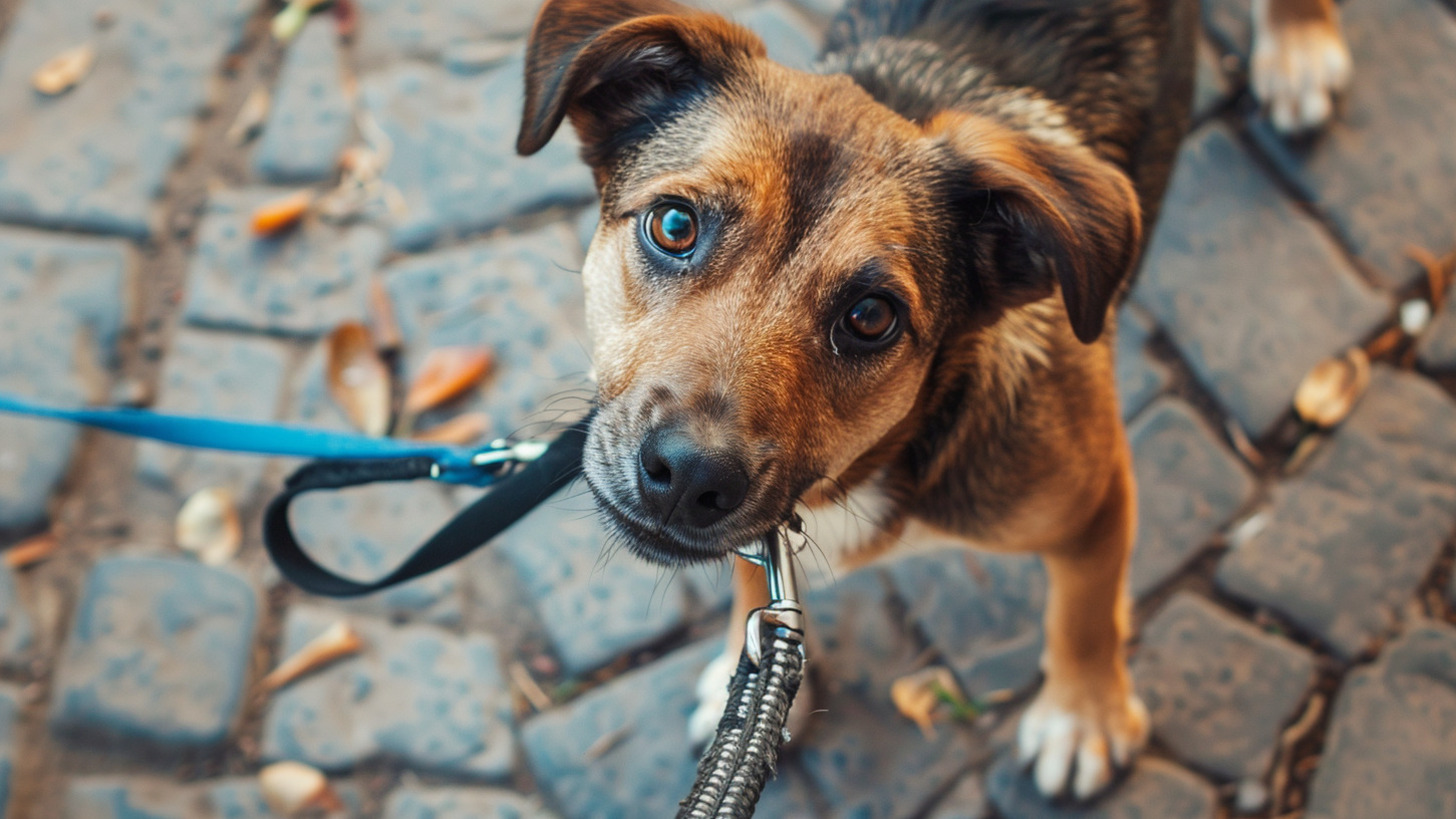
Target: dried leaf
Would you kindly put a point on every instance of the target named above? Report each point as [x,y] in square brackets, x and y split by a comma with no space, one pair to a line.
[447,373]
[335,643]
[346,17]
[281,214]
[382,319]
[32,550]
[64,71]
[1332,388]
[458,431]
[290,788]
[919,695]
[291,20]
[1438,273]
[358,379]
[1384,343]
[251,116]
[208,526]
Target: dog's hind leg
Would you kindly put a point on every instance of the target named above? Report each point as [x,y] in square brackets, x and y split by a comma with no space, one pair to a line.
[1086,722]
[1299,61]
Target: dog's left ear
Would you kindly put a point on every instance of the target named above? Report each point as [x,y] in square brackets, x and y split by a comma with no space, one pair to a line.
[1048,214]
[613,64]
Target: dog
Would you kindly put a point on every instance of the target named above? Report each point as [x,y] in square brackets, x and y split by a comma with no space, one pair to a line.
[889,286]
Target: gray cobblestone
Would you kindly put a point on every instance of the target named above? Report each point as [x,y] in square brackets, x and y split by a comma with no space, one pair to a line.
[517,296]
[17,635]
[416,694]
[461,803]
[1140,377]
[302,282]
[1389,750]
[1189,485]
[1349,540]
[790,39]
[981,611]
[1155,788]
[130,119]
[391,30]
[1211,88]
[861,754]
[1218,689]
[1438,349]
[1249,289]
[1382,171]
[454,158]
[106,797]
[967,800]
[595,605]
[310,121]
[242,798]
[59,297]
[9,714]
[158,652]
[216,375]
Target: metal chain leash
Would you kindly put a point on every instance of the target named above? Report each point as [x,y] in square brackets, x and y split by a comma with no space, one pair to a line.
[744,753]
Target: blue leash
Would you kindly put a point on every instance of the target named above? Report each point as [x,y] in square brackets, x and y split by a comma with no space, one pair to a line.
[344,460]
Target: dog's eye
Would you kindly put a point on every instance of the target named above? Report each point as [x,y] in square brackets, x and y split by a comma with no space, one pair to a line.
[673,228]
[872,318]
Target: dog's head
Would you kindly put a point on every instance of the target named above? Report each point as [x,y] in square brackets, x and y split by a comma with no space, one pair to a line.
[782,262]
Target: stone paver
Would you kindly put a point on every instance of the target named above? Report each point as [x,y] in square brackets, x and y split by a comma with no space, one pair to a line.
[981,611]
[1218,689]
[789,38]
[129,798]
[158,652]
[1389,750]
[1250,290]
[1155,788]
[454,159]
[302,282]
[1349,540]
[1438,349]
[9,713]
[95,157]
[967,800]
[566,568]
[1189,485]
[310,121]
[215,375]
[635,728]
[17,633]
[438,31]
[461,803]
[860,753]
[1140,377]
[520,297]
[1383,170]
[416,694]
[60,298]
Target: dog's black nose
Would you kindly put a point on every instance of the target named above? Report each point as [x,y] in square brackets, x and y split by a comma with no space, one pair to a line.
[684,484]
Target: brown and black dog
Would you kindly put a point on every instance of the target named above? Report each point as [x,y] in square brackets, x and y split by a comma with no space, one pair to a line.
[887,286]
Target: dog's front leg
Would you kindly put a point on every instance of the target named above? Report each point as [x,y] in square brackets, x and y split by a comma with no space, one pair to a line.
[1086,722]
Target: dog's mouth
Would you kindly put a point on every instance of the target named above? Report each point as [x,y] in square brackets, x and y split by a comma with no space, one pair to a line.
[659,543]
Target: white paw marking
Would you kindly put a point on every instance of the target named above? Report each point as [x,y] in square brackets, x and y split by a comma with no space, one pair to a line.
[1297,69]
[1079,748]
[712,700]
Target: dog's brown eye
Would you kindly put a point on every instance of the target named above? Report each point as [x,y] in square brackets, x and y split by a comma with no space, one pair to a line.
[871,318]
[673,227]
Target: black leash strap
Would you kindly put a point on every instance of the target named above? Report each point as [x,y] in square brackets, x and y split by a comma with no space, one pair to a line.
[505,503]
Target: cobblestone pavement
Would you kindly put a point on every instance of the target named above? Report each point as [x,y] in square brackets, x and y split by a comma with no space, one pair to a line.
[1295,594]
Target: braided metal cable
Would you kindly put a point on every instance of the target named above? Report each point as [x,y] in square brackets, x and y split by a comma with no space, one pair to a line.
[745,751]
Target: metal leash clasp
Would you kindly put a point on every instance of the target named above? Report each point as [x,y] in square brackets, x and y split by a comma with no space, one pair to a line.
[784,615]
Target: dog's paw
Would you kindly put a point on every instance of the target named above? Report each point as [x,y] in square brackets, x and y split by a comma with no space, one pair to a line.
[1297,68]
[1077,745]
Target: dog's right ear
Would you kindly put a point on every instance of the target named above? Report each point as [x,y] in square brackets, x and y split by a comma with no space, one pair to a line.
[615,65]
